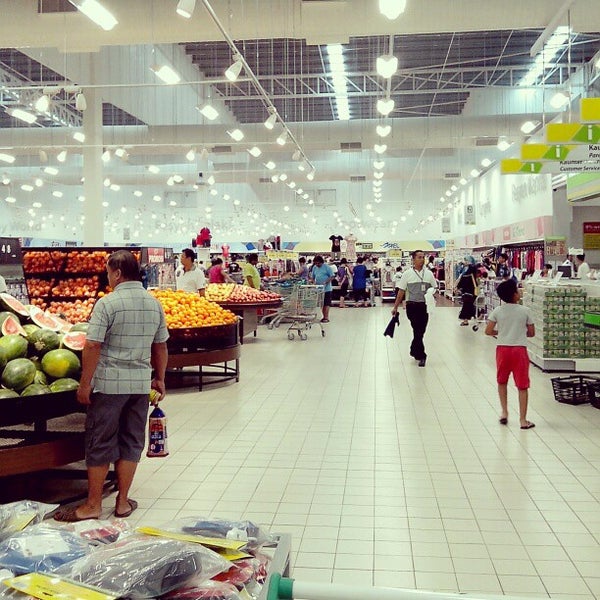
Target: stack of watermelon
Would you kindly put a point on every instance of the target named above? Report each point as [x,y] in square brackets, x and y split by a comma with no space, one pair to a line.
[39,352]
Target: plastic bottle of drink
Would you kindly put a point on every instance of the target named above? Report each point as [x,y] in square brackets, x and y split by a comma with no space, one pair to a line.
[157,433]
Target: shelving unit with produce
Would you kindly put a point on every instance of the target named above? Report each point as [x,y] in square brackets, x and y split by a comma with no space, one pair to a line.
[562,342]
[67,281]
[11,268]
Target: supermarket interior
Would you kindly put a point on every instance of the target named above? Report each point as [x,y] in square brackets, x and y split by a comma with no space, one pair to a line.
[290,178]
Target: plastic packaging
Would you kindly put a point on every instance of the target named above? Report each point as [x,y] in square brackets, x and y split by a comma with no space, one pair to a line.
[208,590]
[218,528]
[144,567]
[98,532]
[41,548]
[157,433]
[15,516]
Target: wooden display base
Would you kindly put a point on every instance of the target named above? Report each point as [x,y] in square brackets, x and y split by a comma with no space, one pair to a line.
[211,364]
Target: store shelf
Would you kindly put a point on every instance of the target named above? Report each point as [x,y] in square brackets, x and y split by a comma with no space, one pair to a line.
[576,365]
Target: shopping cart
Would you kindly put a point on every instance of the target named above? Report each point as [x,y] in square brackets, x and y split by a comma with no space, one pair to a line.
[305,305]
[480,312]
[285,288]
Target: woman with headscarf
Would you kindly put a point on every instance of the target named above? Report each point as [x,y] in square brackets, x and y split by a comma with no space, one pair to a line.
[467,284]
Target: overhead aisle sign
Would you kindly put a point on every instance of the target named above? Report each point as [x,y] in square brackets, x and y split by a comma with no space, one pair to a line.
[559,152]
[590,110]
[572,133]
[514,166]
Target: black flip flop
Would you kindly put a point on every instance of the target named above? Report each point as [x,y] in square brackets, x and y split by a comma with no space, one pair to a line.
[529,425]
[133,505]
[503,420]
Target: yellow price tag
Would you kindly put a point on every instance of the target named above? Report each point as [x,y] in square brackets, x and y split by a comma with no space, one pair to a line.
[194,539]
[50,587]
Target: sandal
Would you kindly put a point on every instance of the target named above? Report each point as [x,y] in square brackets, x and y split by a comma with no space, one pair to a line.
[528,425]
[132,506]
[69,515]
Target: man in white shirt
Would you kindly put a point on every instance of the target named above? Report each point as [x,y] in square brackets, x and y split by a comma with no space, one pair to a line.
[413,285]
[583,269]
[190,277]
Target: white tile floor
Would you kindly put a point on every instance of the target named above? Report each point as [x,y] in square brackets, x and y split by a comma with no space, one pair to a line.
[385,473]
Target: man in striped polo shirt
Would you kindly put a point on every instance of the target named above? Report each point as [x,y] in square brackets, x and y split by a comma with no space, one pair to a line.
[413,286]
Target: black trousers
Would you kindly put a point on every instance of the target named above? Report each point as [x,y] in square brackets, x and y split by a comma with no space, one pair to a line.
[418,317]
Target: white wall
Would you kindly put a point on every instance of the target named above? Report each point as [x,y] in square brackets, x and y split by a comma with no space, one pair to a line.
[582,214]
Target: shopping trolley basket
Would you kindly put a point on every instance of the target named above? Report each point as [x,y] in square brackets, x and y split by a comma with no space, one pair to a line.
[305,305]
[285,288]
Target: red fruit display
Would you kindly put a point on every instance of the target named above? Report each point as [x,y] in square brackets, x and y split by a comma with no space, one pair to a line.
[238,294]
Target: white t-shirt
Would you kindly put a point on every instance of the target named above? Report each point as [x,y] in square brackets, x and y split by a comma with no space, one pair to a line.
[511,322]
[583,270]
[190,281]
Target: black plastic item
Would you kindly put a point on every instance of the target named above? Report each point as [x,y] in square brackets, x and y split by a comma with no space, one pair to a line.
[391,326]
[573,389]
[594,394]
[35,409]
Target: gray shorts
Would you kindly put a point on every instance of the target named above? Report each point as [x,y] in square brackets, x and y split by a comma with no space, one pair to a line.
[115,428]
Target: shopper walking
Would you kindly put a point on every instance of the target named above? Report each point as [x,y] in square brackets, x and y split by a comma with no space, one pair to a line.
[512,324]
[322,274]
[189,276]
[413,286]
[359,282]
[467,285]
[343,278]
[126,341]
[218,273]
[250,272]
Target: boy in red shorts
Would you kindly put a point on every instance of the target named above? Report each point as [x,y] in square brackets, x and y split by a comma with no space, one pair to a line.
[512,324]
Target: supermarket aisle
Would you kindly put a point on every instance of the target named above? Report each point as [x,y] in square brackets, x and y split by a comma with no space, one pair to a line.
[386,473]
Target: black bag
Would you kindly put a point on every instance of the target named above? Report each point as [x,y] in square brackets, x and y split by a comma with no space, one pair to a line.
[389,330]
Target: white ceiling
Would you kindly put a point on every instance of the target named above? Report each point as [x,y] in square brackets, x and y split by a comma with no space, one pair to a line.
[115,66]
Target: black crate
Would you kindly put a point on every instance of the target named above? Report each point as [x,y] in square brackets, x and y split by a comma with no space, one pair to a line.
[573,389]
[201,339]
[594,394]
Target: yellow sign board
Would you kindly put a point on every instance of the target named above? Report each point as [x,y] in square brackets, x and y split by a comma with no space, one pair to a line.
[590,110]
[572,133]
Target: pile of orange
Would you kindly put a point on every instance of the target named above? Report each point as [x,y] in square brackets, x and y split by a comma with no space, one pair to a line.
[183,309]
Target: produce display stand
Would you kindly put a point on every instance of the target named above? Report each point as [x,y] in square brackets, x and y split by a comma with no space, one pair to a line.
[210,349]
[249,313]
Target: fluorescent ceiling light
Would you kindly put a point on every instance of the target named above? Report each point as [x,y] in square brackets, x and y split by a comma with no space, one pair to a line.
[385,106]
[94,11]
[378,175]
[177,178]
[191,155]
[26,187]
[283,177]
[166,74]
[529,126]
[57,194]
[106,156]
[475,173]
[255,151]
[559,100]
[51,170]
[311,175]
[115,187]
[185,8]
[80,101]
[387,65]
[463,181]
[544,60]
[208,111]
[233,72]
[274,178]
[211,180]
[337,69]
[486,162]
[7,158]
[138,193]
[61,156]
[106,182]
[153,169]
[503,144]
[392,9]
[42,104]
[10,199]
[236,134]
[23,115]
[37,205]
[78,136]
[120,152]
[156,198]
[380,148]
[213,192]
[270,165]
[170,181]
[271,120]
[39,182]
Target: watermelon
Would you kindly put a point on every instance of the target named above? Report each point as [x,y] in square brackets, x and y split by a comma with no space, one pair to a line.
[30,328]
[36,389]
[60,363]
[44,320]
[44,340]
[12,325]
[66,384]
[11,304]
[4,315]
[40,377]
[18,374]
[14,346]
[8,394]
[3,358]
[74,340]
[83,326]
[64,326]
